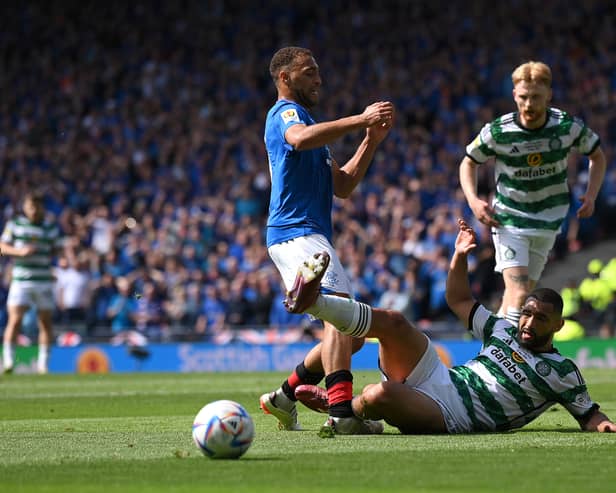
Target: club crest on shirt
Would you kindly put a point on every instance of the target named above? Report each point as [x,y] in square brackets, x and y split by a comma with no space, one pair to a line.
[555,143]
[543,368]
[289,115]
[509,253]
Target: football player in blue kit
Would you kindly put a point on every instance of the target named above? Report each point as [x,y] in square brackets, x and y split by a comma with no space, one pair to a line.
[305,178]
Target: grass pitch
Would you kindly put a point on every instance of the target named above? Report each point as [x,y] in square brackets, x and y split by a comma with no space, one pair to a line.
[132,433]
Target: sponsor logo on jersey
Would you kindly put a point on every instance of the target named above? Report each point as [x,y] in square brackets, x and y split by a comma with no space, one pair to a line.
[514,150]
[535,173]
[509,366]
[534,159]
[517,357]
[533,145]
[289,115]
[543,368]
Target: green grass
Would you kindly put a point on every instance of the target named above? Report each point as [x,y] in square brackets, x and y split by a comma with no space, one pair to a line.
[131,432]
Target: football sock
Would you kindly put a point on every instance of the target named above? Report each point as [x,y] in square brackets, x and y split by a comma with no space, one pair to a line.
[348,316]
[339,386]
[43,356]
[8,355]
[513,315]
[301,375]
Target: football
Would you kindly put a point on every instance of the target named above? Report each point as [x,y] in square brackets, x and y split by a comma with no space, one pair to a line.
[223,430]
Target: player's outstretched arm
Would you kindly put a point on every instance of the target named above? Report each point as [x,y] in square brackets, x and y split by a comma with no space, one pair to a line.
[303,137]
[599,422]
[458,292]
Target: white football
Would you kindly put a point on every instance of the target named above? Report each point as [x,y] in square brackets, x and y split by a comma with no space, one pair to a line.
[223,430]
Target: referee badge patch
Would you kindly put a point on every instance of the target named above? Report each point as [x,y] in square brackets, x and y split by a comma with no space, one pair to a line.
[289,115]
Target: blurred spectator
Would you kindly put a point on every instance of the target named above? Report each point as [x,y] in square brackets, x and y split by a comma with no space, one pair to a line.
[122,306]
[103,292]
[148,314]
[394,297]
[212,318]
[178,309]
[572,300]
[595,292]
[261,303]
[74,292]
[571,330]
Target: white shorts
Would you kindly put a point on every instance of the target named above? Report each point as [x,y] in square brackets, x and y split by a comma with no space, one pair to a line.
[431,378]
[39,295]
[515,250]
[289,255]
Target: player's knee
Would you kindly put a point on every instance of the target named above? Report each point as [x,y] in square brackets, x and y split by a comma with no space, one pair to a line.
[398,327]
[376,396]
[13,323]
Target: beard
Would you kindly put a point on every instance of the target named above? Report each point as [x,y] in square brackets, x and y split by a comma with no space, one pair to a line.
[307,100]
[535,343]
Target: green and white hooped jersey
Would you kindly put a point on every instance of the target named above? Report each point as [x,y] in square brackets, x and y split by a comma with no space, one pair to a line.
[532,195]
[33,269]
[507,386]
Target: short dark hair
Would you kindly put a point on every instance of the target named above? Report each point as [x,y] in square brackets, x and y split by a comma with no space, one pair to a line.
[36,196]
[547,295]
[285,57]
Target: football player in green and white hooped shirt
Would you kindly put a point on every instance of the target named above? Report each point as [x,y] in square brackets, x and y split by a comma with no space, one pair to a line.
[33,242]
[530,148]
[516,376]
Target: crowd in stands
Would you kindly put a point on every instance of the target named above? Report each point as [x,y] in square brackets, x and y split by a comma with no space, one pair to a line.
[143,125]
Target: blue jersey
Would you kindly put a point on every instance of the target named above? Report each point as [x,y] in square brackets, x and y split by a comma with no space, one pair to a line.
[302,189]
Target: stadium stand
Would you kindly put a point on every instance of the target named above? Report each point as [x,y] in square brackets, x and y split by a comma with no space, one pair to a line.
[143,125]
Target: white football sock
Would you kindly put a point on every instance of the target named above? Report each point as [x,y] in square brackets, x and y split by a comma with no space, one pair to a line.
[43,357]
[8,355]
[348,316]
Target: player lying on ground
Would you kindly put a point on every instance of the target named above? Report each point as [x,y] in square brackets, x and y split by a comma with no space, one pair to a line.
[517,375]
